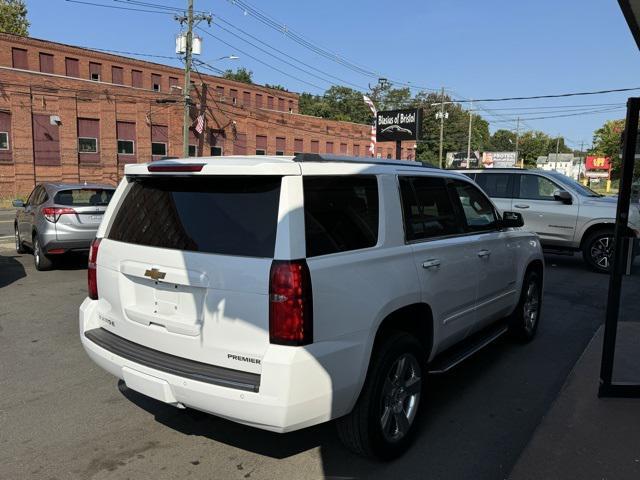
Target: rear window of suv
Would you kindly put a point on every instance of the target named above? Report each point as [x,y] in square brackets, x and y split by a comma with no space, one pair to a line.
[228,215]
[85,197]
[341,213]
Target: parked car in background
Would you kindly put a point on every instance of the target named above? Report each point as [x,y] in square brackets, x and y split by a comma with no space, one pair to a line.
[282,292]
[59,218]
[567,216]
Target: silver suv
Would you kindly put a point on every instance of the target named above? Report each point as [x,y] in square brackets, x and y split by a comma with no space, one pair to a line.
[58,218]
[567,216]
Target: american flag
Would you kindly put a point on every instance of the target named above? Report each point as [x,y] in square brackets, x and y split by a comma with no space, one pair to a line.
[372,145]
[199,124]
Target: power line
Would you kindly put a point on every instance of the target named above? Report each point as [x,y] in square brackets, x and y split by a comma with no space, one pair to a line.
[260,61]
[301,40]
[116,7]
[284,53]
[535,97]
[574,114]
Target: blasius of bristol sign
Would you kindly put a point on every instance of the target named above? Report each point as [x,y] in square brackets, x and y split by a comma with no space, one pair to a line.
[396,125]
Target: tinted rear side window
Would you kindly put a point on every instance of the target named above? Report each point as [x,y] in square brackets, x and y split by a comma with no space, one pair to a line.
[496,185]
[427,208]
[221,214]
[341,213]
[85,197]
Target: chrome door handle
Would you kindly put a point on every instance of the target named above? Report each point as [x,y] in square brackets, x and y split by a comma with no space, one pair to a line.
[521,206]
[433,263]
[484,253]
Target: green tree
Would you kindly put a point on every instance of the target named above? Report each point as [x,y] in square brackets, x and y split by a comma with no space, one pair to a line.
[503,141]
[337,103]
[240,75]
[276,87]
[607,143]
[13,17]
[456,129]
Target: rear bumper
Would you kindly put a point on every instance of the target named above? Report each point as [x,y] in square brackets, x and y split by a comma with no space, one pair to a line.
[298,387]
[68,245]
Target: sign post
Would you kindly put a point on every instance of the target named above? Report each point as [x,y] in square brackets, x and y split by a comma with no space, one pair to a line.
[398,125]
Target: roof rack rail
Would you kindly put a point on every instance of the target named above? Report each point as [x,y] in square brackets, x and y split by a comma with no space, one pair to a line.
[320,157]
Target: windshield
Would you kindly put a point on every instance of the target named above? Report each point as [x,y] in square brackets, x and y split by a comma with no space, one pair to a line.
[578,187]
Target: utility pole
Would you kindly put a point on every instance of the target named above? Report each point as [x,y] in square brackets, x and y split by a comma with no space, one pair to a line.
[557,149]
[190,20]
[518,142]
[469,139]
[441,125]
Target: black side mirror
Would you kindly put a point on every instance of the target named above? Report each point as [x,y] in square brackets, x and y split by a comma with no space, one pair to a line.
[512,220]
[563,196]
[18,203]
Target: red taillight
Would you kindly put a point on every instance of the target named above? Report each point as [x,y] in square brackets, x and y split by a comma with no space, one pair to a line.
[92,279]
[53,213]
[290,303]
[176,168]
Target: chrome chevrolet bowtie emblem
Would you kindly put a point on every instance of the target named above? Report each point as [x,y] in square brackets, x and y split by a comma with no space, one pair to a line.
[155,274]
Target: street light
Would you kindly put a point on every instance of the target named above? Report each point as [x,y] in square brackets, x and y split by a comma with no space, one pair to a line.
[227,57]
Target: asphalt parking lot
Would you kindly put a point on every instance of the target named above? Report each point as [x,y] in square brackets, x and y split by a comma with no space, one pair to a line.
[62,417]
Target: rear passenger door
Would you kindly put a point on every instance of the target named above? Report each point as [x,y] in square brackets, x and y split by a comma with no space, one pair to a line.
[444,256]
[492,251]
[499,186]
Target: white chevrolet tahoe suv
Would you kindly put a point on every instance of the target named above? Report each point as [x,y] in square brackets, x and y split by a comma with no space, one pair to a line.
[282,292]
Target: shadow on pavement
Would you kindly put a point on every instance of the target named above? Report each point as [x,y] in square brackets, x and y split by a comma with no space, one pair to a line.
[193,422]
[11,269]
[71,261]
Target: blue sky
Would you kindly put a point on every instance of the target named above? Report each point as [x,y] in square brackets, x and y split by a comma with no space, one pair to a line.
[476,49]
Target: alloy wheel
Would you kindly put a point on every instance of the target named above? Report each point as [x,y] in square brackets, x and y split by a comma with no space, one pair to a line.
[602,252]
[531,307]
[400,397]
[36,251]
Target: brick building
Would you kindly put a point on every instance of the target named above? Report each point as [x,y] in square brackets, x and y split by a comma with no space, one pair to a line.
[72,114]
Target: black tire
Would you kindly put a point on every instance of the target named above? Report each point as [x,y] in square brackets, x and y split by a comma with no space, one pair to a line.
[597,250]
[40,260]
[361,431]
[524,321]
[19,245]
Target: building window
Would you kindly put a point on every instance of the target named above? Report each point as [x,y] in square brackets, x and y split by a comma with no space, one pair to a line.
[72,67]
[19,58]
[343,148]
[216,151]
[46,63]
[136,78]
[193,150]
[356,150]
[117,75]
[270,103]
[281,104]
[87,145]
[94,71]
[240,144]
[329,147]
[258,100]
[261,144]
[290,106]
[155,82]
[298,146]
[160,149]
[220,92]
[126,147]
[4,140]
[280,145]
[234,96]
[315,146]
[173,82]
